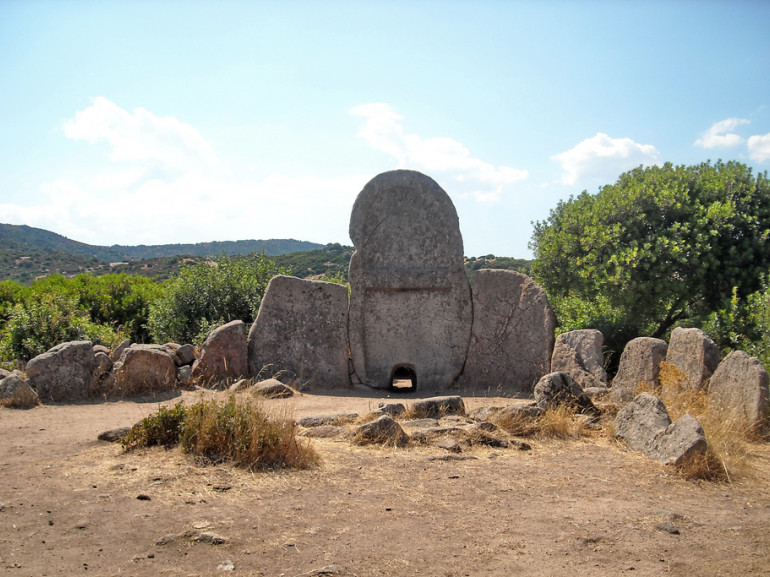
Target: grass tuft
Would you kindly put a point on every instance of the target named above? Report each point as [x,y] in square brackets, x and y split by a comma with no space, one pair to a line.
[558,422]
[22,398]
[234,430]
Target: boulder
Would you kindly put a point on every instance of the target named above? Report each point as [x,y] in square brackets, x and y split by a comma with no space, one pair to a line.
[557,389]
[103,363]
[66,372]
[512,334]
[4,373]
[272,389]
[302,330]
[325,420]
[739,385]
[695,354]
[185,355]
[223,356]
[118,352]
[10,382]
[579,354]
[645,426]
[392,409]
[240,385]
[410,300]
[15,392]
[101,349]
[639,364]
[383,431]
[142,369]
[184,375]
[438,407]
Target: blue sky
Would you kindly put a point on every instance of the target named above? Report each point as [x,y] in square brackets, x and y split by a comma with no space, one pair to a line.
[151,122]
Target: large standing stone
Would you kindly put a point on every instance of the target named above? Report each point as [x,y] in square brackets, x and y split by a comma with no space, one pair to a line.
[66,372]
[302,330]
[140,369]
[740,386]
[410,305]
[579,354]
[223,355]
[645,426]
[512,335]
[694,353]
[639,363]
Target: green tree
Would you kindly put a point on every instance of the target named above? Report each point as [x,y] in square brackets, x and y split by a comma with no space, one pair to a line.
[205,295]
[663,244]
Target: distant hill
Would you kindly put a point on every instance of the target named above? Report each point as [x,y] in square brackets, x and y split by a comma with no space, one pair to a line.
[27,253]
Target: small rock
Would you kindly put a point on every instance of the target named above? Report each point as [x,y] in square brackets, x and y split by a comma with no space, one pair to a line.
[439,406]
[383,430]
[328,570]
[667,527]
[272,389]
[321,420]
[392,409]
[114,435]
[324,432]
[449,445]
[143,497]
[210,539]
[240,385]
[166,540]
[226,565]
[451,457]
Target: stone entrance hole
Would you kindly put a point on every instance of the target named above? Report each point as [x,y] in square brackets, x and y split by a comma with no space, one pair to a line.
[403,380]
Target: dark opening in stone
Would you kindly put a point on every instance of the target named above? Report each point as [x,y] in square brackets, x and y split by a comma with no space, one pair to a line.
[403,380]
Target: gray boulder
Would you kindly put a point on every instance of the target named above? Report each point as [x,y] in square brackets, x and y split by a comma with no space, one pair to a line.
[103,363]
[579,354]
[272,389]
[118,352]
[223,356]
[694,353]
[410,300]
[645,426]
[438,407]
[15,391]
[142,369]
[639,363]
[301,330]
[184,375]
[185,355]
[66,372]
[512,335]
[384,431]
[740,387]
[557,389]
[101,349]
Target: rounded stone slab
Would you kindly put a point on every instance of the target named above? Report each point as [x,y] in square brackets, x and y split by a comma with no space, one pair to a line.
[740,386]
[410,305]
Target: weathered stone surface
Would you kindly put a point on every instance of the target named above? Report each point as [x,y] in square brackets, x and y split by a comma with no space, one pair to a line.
[4,373]
[15,392]
[64,373]
[740,386]
[392,409]
[579,354]
[383,430]
[639,363]
[184,375]
[185,355]
[321,420]
[518,412]
[101,349]
[272,389]
[10,382]
[103,363]
[223,356]
[114,435]
[118,352]
[438,407]
[556,389]
[240,385]
[694,353]
[143,368]
[645,426]
[410,305]
[301,330]
[512,336]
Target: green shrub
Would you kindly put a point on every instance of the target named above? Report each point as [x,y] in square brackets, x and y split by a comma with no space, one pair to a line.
[209,294]
[163,428]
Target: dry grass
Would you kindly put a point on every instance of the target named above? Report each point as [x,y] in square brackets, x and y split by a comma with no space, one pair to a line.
[561,422]
[22,398]
[728,437]
[233,430]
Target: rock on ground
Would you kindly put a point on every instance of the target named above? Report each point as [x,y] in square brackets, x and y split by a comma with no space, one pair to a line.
[639,364]
[223,357]
[740,387]
[384,431]
[141,369]
[694,353]
[579,354]
[556,389]
[438,407]
[67,372]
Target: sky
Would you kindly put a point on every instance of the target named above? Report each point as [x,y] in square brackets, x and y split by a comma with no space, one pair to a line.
[154,122]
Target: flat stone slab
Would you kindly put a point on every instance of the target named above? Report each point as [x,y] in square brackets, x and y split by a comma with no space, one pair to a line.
[321,420]
[438,407]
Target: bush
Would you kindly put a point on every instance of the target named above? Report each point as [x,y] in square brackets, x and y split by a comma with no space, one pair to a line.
[225,431]
[210,294]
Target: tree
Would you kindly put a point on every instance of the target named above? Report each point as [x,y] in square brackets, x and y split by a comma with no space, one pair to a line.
[663,244]
[208,294]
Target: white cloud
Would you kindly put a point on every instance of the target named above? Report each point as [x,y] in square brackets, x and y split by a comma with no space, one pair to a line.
[759,147]
[443,157]
[162,183]
[720,134]
[603,158]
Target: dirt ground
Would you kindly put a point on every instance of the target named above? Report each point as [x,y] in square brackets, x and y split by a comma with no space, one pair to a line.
[70,504]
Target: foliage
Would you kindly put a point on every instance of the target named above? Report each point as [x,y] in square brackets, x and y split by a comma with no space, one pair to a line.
[210,294]
[162,428]
[661,245]
[474,264]
[332,260]
[39,323]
